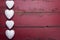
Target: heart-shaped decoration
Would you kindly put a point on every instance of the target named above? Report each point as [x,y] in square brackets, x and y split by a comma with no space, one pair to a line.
[9,24]
[9,13]
[10,4]
[10,34]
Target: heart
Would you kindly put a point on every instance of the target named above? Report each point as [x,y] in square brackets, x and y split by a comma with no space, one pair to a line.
[10,4]
[9,13]
[9,24]
[10,34]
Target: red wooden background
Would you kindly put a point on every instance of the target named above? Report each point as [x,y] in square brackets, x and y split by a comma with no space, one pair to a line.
[41,20]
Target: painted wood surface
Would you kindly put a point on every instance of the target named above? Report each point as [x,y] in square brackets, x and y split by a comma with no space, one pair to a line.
[34,20]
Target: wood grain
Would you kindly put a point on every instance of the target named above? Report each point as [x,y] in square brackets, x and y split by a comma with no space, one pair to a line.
[29,14]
